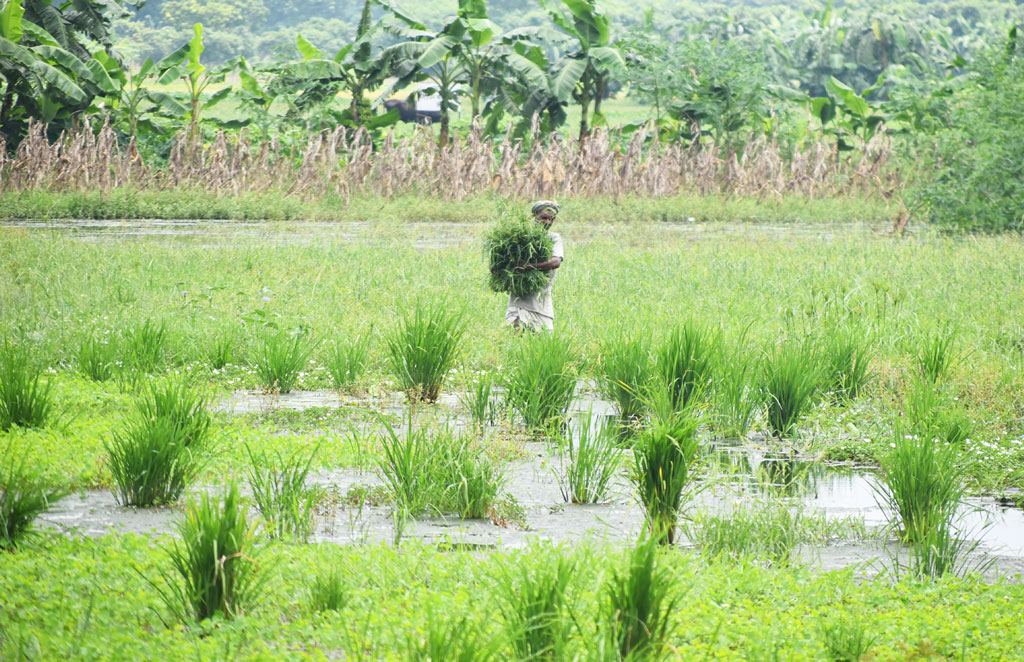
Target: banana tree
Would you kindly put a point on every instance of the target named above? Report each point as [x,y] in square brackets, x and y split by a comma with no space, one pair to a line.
[185,64]
[46,69]
[583,73]
[459,56]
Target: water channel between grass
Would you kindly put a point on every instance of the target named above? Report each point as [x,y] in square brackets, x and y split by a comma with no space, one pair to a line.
[739,473]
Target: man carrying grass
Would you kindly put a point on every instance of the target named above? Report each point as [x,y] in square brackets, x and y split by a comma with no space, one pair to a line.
[536,312]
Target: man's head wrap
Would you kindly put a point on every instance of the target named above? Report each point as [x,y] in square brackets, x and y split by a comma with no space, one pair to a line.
[541,205]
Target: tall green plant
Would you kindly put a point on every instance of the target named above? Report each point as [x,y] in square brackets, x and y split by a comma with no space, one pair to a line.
[279,489]
[663,467]
[423,348]
[541,380]
[593,460]
[533,600]
[626,369]
[846,357]
[685,361]
[638,602]
[24,495]
[25,400]
[281,357]
[214,564]
[790,375]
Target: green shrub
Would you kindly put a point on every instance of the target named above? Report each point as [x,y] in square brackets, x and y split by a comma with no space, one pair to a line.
[517,239]
[281,356]
[977,182]
[541,378]
[424,347]
[25,400]
[215,568]
[24,495]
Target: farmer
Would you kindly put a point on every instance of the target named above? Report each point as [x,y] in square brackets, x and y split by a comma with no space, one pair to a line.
[536,312]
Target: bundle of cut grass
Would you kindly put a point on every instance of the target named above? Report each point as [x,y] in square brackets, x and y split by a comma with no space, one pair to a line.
[515,240]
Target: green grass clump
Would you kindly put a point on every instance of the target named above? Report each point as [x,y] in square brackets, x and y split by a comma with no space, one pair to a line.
[663,461]
[533,599]
[845,358]
[932,415]
[97,358]
[593,460]
[214,564]
[162,445]
[737,399]
[440,472]
[921,486]
[685,361]
[281,356]
[329,591]
[766,532]
[541,378]
[279,489]
[936,356]
[790,375]
[478,401]
[24,495]
[625,371]
[637,604]
[348,360]
[845,639]
[452,639]
[144,345]
[515,240]
[25,400]
[424,347]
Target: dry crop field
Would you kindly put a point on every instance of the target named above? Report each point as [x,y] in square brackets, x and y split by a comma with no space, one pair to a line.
[255,441]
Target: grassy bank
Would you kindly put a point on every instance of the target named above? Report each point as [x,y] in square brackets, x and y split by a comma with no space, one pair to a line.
[129,203]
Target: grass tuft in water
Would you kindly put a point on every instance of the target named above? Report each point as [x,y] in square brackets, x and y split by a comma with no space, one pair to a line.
[478,401]
[766,532]
[663,462]
[144,346]
[845,639]
[281,356]
[685,361]
[97,358]
[532,595]
[348,360]
[214,563]
[593,460]
[160,449]
[845,360]
[736,400]
[790,375]
[638,603]
[541,381]
[920,488]
[24,495]
[25,400]
[440,472]
[424,347]
[625,371]
[219,349]
[933,416]
[279,489]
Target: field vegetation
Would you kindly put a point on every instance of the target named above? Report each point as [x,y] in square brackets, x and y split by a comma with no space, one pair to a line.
[792,237]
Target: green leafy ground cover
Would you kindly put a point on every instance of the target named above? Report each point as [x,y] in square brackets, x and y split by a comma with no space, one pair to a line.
[86,599]
[753,284]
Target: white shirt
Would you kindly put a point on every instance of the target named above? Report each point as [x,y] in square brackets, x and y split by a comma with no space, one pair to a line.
[540,302]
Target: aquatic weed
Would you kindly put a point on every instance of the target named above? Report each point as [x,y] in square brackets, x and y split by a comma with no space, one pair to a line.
[423,348]
[25,399]
[278,485]
[593,460]
[24,495]
[541,380]
[532,594]
[663,459]
[625,371]
[281,357]
[348,359]
[685,361]
[790,375]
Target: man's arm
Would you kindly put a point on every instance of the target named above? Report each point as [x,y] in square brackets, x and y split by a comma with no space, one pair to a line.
[547,265]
